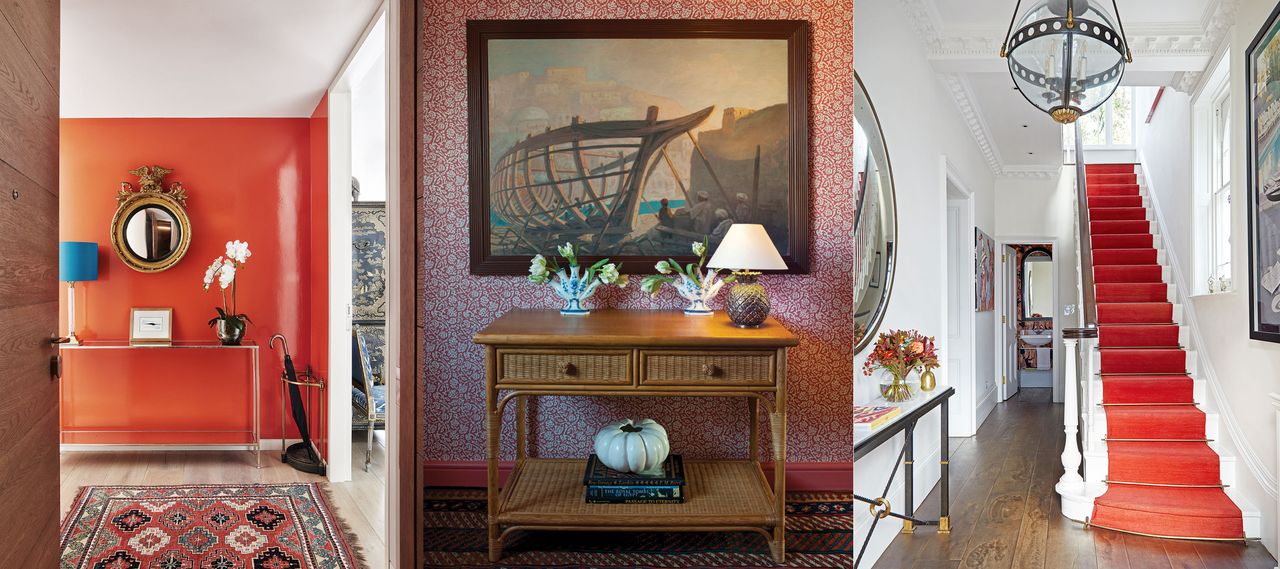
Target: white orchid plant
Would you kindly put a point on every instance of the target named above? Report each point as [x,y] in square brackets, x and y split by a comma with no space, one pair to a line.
[224,269]
[571,283]
[696,284]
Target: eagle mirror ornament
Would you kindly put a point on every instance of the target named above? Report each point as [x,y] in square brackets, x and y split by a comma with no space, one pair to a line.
[1066,56]
[150,231]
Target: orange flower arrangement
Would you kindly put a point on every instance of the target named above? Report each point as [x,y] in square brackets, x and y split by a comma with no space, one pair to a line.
[898,352]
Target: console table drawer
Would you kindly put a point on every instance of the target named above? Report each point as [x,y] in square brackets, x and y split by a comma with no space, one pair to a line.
[677,367]
[583,367]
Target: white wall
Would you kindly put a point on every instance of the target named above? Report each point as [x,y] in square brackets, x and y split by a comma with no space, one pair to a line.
[1032,210]
[921,126]
[1165,150]
[1240,371]
[369,132]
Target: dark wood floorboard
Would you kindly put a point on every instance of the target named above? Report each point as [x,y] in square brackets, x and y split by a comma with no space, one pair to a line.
[1006,515]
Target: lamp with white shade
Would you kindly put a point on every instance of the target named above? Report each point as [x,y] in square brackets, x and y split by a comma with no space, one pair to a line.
[746,250]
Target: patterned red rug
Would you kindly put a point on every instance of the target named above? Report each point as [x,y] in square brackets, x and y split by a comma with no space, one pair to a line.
[819,535]
[222,526]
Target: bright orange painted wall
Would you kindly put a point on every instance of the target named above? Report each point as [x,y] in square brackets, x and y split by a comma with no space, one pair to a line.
[247,179]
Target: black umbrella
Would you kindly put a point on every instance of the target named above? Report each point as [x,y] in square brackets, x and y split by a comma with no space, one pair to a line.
[295,398]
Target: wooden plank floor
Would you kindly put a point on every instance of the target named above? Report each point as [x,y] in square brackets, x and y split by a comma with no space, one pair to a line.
[360,502]
[1005,513]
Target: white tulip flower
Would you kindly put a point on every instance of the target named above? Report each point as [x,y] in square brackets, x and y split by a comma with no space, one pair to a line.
[609,274]
[567,252]
[663,267]
[699,248]
[538,266]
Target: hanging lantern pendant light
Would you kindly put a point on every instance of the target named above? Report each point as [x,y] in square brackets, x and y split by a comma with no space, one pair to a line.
[1065,56]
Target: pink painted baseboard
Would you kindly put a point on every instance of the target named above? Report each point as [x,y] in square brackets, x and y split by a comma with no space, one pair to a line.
[801,476]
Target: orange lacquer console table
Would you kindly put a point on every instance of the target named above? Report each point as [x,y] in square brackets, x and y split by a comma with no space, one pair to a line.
[188,394]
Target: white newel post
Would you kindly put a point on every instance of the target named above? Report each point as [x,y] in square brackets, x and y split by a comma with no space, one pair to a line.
[1071,479]
[1077,495]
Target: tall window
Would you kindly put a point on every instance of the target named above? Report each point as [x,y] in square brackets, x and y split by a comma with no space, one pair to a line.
[1220,193]
[1211,139]
[1111,124]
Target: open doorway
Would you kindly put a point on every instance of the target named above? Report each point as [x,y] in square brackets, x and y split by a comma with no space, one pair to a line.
[359,302]
[1027,298]
[152,396]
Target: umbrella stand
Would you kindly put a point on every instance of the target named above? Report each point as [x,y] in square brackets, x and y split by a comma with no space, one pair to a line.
[302,455]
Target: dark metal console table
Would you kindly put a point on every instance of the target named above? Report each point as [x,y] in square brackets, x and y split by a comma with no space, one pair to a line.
[906,423]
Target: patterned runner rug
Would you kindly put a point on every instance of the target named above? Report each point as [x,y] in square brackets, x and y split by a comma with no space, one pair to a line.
[819,535]
[217,526]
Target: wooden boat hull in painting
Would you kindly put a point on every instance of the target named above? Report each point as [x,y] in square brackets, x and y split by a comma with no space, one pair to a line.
[582,183]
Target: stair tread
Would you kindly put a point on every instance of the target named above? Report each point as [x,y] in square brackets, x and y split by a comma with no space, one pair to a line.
[1192,502]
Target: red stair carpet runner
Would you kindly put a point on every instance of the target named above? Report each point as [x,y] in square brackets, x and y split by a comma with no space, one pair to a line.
[1163,478]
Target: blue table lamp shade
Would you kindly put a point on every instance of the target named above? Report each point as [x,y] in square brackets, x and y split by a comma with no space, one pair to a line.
[77,261]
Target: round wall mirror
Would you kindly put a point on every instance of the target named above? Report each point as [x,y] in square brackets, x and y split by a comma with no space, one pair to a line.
[875,224]
[150,231]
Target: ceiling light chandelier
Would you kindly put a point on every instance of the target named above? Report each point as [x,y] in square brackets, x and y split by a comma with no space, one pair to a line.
[1066,57]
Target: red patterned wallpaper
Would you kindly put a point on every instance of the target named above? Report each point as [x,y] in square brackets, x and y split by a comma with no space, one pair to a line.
[817,307]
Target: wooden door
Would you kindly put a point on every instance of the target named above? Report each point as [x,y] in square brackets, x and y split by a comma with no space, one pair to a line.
[29,287]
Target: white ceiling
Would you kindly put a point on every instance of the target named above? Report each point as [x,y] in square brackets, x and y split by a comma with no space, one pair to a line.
[1172,42]
[1136,14]
[1021,133]
[196,58]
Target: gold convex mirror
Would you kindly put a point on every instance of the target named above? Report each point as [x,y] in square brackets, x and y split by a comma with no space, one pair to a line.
[150,230]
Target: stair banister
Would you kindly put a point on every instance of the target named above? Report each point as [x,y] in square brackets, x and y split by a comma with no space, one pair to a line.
[1079,345]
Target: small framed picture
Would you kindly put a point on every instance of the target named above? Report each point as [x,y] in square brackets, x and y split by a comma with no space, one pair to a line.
[151,326]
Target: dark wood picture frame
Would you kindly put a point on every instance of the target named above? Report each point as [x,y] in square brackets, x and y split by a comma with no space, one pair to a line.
[1257,329]
[480,32]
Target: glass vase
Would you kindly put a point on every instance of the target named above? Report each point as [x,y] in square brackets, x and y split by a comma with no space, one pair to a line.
[895,388]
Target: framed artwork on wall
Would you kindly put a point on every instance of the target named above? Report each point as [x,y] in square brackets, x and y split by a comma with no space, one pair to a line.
[634,138]
[1263,179]
[151,326]
[984,257]
[369,262]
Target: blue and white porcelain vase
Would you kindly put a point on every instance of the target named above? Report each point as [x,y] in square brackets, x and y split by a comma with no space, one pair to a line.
[699,295]
[574,289]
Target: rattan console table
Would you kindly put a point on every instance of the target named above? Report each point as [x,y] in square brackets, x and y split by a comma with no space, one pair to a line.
[619,353]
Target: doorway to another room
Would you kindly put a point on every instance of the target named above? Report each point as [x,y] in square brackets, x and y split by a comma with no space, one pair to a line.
[1028,297]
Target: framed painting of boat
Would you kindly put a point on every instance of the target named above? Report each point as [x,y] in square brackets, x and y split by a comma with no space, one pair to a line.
[635,138]
[1263,178]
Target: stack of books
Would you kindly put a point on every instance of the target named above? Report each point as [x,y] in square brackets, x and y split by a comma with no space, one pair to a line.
[605,485]
[874,416]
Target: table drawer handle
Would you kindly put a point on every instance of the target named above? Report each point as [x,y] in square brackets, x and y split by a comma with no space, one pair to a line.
[710,370]
[567,368]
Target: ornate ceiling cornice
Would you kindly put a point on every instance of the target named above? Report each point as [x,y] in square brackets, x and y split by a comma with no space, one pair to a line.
[963,96]
[1215,27]
[1031,172]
